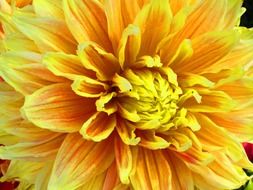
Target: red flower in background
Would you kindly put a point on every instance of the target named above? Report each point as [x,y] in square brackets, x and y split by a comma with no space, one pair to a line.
[249,150]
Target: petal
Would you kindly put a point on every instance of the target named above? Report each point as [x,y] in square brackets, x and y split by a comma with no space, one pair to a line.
[220,174]
[181,174]
[98,127]
[47,8]
[87,21]
[119,15]
[22,170]
[210,132]
[78,161]
[154,18]
[48,34]
[211,101]
[19,42]
[41,181]
[35,151]
[126,132]
[235,123]
[216,45]
[23,71]
[57,108]
[65,65]
[88,87]
[152,171]
[96,59]
[107,104]
[129,46]
[152,141]
[124,159]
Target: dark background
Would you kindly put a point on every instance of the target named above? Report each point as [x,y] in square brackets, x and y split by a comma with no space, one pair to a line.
[247,18]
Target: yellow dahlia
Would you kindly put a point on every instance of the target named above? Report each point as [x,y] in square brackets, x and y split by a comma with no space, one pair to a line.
[126,94]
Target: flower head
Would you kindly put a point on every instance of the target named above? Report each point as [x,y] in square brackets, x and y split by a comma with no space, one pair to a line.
[115,94]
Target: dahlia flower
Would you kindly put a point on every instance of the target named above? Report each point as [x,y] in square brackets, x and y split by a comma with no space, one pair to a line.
[125,94]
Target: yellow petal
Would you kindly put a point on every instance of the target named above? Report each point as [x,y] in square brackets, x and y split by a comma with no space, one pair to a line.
[154,18]
[23,71]
[107,104]
[19,42]
[120,14]
[129,46]
[42,179]
[88,87]
[57,108]
[127,132]
[96,59]
[22,170]
[87,21]
[98,127]
[152,171]
[47,8]
[210,132]
[65,65]
[34,151]
[152,141]
[78,161]
[48,34]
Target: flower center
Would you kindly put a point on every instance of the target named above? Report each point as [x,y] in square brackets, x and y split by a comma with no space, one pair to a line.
[152,101]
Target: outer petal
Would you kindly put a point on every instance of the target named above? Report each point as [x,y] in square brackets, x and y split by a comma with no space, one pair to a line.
[78,161]
[48,34]
[210,132]
[47,8]
[22,170]
[120,14]
[154,18]
[181,174]
[124,159]
[57,108]
[87,21]
[216,45]
[152,171]
[34,151]
[23,71]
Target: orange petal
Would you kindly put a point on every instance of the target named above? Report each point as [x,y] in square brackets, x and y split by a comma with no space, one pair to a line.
[96,59]
[152,171]
[154,18]
[120,14]
[124,159]
[211,101]
[57,108]
[216,45]
[78,161]
[87,21]
[181,174]
[98,127]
